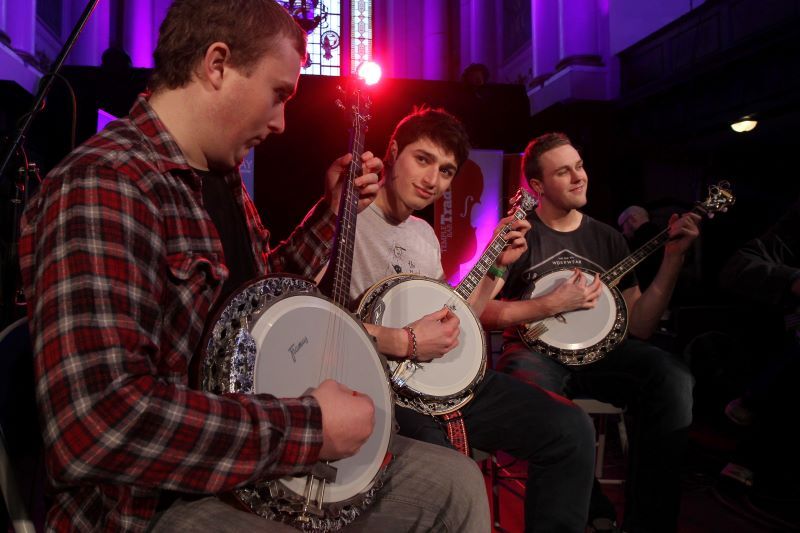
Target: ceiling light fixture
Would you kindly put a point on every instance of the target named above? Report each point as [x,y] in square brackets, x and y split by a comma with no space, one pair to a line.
[744,124]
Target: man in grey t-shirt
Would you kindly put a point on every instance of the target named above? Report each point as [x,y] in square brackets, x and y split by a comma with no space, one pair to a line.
[424,155]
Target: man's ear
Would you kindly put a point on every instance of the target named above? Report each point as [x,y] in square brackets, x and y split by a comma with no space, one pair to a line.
[393,152]
[536,185]
[215,61]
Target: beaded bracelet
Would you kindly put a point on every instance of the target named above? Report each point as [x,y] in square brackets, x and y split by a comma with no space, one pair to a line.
[496,271]
[411,353]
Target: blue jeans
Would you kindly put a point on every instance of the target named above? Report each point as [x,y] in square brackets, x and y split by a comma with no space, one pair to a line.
[554,435]
[656,388]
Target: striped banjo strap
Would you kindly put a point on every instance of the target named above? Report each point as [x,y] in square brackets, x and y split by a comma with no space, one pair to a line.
[457,431]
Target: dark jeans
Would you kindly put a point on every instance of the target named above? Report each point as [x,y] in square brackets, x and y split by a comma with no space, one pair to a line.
[551,433]
[657,390]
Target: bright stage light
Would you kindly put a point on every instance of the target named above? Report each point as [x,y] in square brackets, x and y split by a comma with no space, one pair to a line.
[369,72]
[746,124]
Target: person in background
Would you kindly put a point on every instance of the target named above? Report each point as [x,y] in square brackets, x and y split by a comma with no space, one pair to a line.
[764,273]
[636,226]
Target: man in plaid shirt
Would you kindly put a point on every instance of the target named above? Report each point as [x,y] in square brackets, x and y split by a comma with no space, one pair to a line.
[125,251]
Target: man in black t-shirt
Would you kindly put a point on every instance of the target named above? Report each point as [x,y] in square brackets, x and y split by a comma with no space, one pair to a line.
[650,382]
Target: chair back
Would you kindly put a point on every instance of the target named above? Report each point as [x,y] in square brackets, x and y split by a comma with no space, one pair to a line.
[21,448]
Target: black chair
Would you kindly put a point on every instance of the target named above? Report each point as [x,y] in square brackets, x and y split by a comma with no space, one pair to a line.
[21,457]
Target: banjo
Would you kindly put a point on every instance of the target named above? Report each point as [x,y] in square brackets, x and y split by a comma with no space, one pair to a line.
[280,335]
[442,385]
[584,336]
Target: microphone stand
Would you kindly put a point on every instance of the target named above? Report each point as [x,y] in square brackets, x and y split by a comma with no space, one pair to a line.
[23,177]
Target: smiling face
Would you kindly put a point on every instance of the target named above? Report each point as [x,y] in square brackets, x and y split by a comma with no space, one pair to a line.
[251,104]
[563,180]
[417,177]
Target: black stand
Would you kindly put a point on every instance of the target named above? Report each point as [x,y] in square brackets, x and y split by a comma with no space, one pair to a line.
[12,299]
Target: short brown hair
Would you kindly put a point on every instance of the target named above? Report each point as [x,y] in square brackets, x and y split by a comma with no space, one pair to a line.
[249,28]
[544,143]
[436,125]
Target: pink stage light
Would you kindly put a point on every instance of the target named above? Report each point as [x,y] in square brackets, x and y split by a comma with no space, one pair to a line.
[370,72]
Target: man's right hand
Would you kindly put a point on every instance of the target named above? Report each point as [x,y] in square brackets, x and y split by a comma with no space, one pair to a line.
[348,418]
[436,333]
[575,293]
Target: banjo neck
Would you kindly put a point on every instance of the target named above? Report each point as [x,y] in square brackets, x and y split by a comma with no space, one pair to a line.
[336,281]
[613,275]
[475,275]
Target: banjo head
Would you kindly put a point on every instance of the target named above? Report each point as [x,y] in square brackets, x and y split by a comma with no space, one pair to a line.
[279,336]
[583,336]
[400,300]
[303,339]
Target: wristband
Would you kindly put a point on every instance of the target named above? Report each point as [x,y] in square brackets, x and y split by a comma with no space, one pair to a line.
[496,271]
[411,352]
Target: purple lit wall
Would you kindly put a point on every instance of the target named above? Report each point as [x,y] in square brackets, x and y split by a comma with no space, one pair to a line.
[94,39]
[418,39]
[140,34]
[20,24]
[139,31]
[435,37]
[632,20]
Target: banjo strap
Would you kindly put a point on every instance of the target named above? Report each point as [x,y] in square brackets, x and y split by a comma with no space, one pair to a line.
[457,431]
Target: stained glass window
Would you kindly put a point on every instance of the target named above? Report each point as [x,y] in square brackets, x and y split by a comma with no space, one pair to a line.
[330,46]
[361,32]
[324,50]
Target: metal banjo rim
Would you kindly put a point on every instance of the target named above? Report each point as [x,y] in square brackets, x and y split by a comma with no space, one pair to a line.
[583,356]
[272,499]
[407,396]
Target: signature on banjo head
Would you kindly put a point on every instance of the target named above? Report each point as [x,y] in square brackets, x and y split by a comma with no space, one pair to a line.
[294,348]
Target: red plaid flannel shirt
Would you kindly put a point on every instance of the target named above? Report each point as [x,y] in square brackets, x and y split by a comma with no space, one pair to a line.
[121,264]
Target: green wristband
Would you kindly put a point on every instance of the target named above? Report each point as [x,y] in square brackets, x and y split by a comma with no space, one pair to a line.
[496,271]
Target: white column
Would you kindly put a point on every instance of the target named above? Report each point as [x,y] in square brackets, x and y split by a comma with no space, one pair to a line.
[434,38]
[483,26]
[412,44]
[94,39]
[465,37]
[545,38]
[21,25]
[394,35]
[3,16]
[577,24]
[139,32]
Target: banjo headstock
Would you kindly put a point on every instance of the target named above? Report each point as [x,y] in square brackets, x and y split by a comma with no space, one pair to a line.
[719,199]
[522,203]
[354,100]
